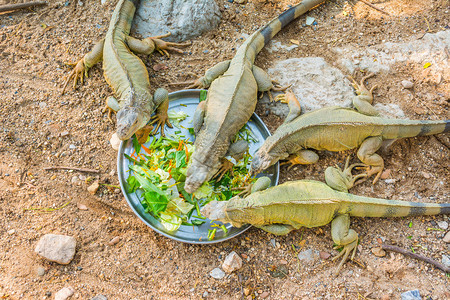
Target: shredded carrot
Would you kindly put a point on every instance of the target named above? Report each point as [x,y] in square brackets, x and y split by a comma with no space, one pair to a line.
[180,145]
[132,154]
[146,149]
[187,152]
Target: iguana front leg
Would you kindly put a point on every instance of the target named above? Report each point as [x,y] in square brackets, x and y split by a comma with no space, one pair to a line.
[112,105]
[343,236]
[149,45]
[161,100]
[199,116]
[303,157]
[363,101]
[210,74]
[294,105]
[261,184]
[265,84]
[83,65]
[367,155]
[343,180]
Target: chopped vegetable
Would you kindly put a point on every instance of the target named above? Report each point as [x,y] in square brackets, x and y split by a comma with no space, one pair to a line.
[176,117]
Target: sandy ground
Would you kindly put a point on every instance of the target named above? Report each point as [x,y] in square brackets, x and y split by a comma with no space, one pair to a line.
[41,128]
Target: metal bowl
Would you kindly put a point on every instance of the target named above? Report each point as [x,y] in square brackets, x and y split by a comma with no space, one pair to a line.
[187,101]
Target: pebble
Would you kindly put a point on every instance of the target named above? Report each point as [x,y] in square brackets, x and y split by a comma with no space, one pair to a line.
[308,256]
[232,262]
[93,188]
[64,133]
[264,295]
[81,206]
[407,84]
[385,174]
[205,294]
[217,273]
[114,241]
[443,225]
[309,20]
[40,271]
[324,255]
[117,191]
[115,141]
[64,293]
[72,146]
[446,260]
[389,181]
[377,251]
[411,295]
[11,231]
[426,175]
[247,291]
[100,297]
[74,179]
[57,248]
[447,237]
[273,242]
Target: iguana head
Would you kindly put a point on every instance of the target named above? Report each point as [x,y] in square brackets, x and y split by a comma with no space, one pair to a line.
[129,120]
[261,161]
[197,173]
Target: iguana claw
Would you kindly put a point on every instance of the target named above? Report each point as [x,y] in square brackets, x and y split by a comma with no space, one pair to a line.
[162,46]
[160,119]
[344,254]
[77,73]
[224,168]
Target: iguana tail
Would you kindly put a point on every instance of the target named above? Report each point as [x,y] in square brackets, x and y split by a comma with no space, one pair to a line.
[360,206]
[261,37]
[395,129]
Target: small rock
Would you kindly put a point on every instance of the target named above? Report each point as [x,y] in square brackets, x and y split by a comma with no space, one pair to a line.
[446,260]
[116,191]
[232,262]
[74,179]
[309,20]
[40,271]
[115,141]
[385,297]
[247,291]
[205,294]
[112,173]
[411,295]
[64,133]
[426,175]
[57,248]
[72,146]
[93,187]
[446,238]
[273,242]
[64,293]
[114,241]
[11,231]
[324,255]
[264,295]
[308,256]
[386,173]
[443,225]
[100,297]
[241,1]
[378,252]
[217,273]
[283,262]
[389,181]
[81,206]
[407,84]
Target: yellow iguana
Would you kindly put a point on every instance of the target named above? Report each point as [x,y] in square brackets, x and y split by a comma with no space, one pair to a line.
[309,203]
[127,74]
[232,96]
[338,129]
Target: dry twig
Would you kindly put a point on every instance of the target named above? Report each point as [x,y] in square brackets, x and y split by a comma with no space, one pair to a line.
[13,7]
[72,168]
[374,7]
[416,256]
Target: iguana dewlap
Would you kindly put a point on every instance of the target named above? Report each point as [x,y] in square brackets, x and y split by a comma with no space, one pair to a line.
[308,203]
[126,73]
[232,96]
[338,129]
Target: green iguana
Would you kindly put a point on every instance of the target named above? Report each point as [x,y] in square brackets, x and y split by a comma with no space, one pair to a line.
[127,74]
[309,203]
[338,129]
[231,100]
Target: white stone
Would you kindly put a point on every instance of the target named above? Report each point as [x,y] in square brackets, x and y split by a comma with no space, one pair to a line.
[183,19]
[446,238]
[232,262]
[443,225]
[407,84]
[217,273]
[64,293]
[57,248]
[115,141]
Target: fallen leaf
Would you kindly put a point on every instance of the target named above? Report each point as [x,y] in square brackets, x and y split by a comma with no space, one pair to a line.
[426,65]
[295,42]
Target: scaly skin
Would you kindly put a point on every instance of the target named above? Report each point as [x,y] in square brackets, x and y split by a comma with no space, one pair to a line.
[308,203]
[232,96]
[339,129]
[127,74]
